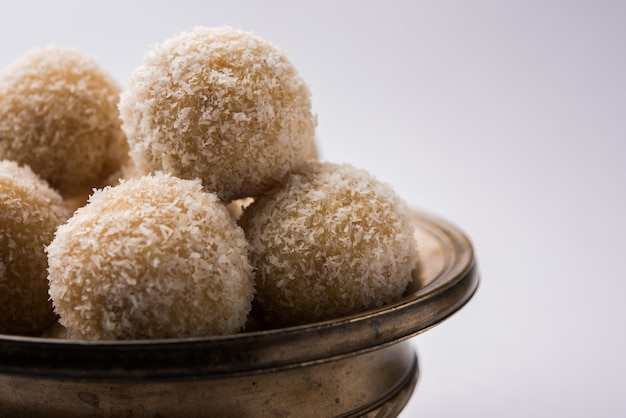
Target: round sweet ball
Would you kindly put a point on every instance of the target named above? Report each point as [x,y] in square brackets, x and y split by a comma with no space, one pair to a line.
[153,257]
[222,105]
[331,241]
[30,212]
[59,115]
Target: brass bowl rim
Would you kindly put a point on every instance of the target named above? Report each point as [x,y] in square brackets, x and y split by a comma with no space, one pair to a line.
[266,350]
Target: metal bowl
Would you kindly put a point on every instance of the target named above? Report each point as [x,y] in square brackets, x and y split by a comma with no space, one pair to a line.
[360,365]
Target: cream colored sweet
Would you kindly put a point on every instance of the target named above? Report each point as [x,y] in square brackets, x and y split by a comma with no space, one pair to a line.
[331,241]
[153,257]
[222,105]
[58,114]
[30,212]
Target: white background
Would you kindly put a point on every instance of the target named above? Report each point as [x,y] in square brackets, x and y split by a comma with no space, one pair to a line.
[507,118]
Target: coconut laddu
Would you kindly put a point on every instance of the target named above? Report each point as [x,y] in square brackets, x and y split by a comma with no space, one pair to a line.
[330,241]
[153,257]
[222,105]
[58,115]
[30,212]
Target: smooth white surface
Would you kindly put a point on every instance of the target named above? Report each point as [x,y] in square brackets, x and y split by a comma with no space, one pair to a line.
[506,118]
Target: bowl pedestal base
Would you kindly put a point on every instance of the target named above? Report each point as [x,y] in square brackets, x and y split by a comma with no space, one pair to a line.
[377,383]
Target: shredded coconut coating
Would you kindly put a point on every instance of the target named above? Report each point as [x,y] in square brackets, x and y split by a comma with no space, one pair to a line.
[58,114]
[30,212]
[153,257]
[331,241]
[222,105]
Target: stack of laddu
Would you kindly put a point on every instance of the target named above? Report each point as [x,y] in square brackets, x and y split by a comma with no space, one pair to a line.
[198,201]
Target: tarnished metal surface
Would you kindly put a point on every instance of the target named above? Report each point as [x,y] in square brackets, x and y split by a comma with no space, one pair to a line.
[348,387]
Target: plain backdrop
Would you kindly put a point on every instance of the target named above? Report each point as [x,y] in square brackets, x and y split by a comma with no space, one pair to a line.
[506,118]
